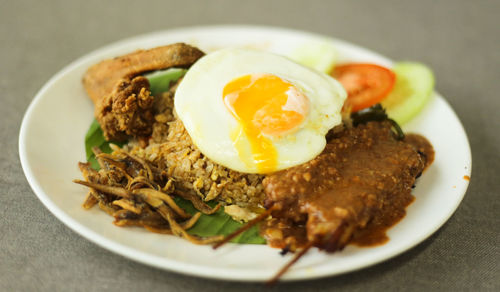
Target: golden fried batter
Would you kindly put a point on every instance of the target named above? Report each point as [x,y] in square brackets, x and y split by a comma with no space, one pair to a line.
[127,111]
[104,81]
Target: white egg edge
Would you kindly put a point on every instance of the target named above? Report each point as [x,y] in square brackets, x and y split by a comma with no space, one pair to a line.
[193,97]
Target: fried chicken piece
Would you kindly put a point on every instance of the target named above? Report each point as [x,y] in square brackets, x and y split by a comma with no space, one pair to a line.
[123,114]
[127,111]
[101,78]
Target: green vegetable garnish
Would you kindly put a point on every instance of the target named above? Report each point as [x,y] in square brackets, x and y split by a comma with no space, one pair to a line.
[414,87]
[95,138]
[376,113]
[220,224]
[318,55]
[160,81]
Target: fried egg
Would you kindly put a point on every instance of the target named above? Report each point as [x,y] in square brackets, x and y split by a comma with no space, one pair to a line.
[257,112]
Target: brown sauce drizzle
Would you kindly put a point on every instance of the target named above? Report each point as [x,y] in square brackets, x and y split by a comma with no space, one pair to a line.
[423,146]
[285,234]
[282,234]
[375,232]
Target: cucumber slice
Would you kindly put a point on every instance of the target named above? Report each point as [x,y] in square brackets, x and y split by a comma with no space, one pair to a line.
[318,55]
[414,87]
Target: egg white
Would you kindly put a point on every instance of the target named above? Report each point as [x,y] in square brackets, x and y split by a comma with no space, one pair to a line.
[199,104]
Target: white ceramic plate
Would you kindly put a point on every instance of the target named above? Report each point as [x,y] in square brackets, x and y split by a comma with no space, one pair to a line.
[51,143]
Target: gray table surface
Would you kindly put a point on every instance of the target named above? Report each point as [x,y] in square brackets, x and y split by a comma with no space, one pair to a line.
[460,40]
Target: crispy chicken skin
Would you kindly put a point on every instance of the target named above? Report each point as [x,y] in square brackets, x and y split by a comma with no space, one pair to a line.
[128,113]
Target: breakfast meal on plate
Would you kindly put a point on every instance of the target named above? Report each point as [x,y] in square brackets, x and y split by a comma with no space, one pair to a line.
[249,146]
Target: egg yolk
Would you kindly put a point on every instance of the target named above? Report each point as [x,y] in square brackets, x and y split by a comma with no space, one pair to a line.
[265,106]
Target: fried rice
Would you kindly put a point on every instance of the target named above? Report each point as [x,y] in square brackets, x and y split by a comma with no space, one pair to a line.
[172,150]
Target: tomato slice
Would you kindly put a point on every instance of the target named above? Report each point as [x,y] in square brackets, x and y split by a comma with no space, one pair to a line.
[366,84]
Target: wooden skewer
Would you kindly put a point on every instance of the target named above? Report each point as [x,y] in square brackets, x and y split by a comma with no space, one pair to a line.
[335,245]
[244,228]
[283,270]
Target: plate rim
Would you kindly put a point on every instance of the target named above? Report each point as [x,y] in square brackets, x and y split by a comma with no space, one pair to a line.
[186,268]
